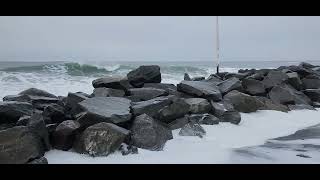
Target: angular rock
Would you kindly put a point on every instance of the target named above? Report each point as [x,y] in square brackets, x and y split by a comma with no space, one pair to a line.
[313,94]
[243,102]
[300,107]
[206,119]
[37,126]
[307,65]
[41,160]
[105,109]
[236,75]
[64,135]
[127,149]
[186,77]
[107,92]
[192,129]
[269,105]
[54,114]
[164,86]
[200,89]
[311,82]
[233,117]
[150,107]
[253,87]
[144,94]
[274,78]
[198,105]
[213,78]
[6,126]
[220,108]
[179,123]
[285,94]
[294,80]
[113,82]
[173,111]
[37,92]
[200,78]
[229,85]
[11,111]
[23,121]
[100,139]
[18,146]
[144,74]
[148,133]
[39,102]
[72,102]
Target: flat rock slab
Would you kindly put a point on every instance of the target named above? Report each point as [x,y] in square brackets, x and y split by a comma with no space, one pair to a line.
[177,109]
[144,94]
[144,74]
[150,107]
[253,86]
[64,135]
[201,89]
[101,139]
[229,85]
[198,105]
[243,102]
[107,92]
[11,111]
[105,109]
[37,92]
[114,82]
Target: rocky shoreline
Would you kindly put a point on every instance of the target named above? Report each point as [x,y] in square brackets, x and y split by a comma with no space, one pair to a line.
[138,111]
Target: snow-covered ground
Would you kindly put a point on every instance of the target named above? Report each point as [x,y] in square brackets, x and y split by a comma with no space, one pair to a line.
[216,147]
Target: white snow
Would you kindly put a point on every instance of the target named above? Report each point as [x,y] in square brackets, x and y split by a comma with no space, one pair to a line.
[215,147]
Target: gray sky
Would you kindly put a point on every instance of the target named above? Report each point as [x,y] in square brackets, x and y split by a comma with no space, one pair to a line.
[158,37]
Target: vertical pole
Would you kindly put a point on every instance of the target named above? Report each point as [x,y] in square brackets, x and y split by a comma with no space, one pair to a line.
[218,44]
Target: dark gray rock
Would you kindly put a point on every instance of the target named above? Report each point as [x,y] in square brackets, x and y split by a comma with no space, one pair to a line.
[164,86]
[213,78]
[313,94]
[233,117]
[107,92]
[200,78]
[206,119]
[100,139]
[186,77]
[274,78]
[236,75]
[269,105]
[41,160]
[104,109]
[18,146]
[6,126]
[113,82]
[311,82]
[23,121]
[11,111]
[144,94]
[54,114]
[192,129]
[198,105]
[200,89]
[253,86]
[38,127]
[316,104]
[173,111]
[307,65]
[64,135]
[286,94]
[229,85]
[37,92]
[300,107]
[219,108]
[128,149]
[148,133]
[144,74]
[179,123]
[150,107]
[39,102]
[72,102]
[243,102]
[294,80]
[257,76]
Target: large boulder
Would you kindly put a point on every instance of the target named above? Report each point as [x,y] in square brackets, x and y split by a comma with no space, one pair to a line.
[274,78]
[37,92]
[64,135]
[72,102]
[243,102]
[286,94]
[11,111]
[113,82]
[173,111]
[225,112]
[294,80]
[100,139]
[213,78]
[169,88]
[198,105]
[307,65]
[107,92]
[269,105]
[38,127]
[253,86]
[39,102]
[311,82]
[104,109]
[18,146]
[192,129]
[144,74]
[150,107]
[179,123]
[198,78]
[313,94]
[148,133]
[186,77]
[144,94]
[229,85]
[54,114]
[200,89]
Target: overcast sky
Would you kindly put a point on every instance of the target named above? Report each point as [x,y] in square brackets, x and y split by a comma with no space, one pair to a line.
[158,37]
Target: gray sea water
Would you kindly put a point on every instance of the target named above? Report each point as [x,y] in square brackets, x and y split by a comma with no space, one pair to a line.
[59,77]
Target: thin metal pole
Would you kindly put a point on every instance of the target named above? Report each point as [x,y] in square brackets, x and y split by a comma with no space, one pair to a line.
[218,44]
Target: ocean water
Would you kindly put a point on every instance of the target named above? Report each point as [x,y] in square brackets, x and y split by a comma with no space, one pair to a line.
[60,78]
